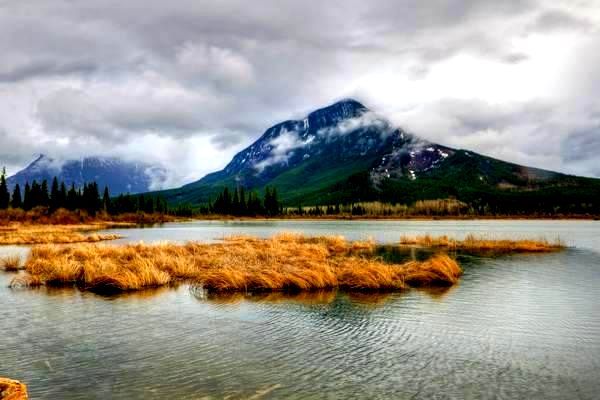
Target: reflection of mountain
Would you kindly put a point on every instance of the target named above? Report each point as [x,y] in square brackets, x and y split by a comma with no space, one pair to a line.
[120,176]
[345,153]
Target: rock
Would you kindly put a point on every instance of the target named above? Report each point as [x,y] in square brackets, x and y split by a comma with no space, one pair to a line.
[12,390]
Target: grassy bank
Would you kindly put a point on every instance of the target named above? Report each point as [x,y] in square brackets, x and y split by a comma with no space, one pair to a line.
[476,244]
[20,234]
[284,262]
[43,216]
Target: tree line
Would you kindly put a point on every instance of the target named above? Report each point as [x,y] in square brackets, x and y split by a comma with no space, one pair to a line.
[238,202]
[88,198]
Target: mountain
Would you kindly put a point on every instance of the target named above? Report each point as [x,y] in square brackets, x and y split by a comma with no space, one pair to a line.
[345,153]
[120,176]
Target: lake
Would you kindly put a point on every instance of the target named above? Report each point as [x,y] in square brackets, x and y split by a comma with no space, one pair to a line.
[517,326]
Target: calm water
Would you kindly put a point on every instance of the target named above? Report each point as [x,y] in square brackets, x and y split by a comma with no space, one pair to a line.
[525,326]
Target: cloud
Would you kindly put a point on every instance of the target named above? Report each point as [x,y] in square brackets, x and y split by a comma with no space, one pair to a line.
[558,20]
[189,82]
[224,67]
[282,148]
[367,119]
[582,146]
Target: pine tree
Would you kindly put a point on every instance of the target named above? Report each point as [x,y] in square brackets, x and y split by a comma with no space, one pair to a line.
[254,204]
[243,206]
[44,199]
[268,200]
[226,201]
[141,203]
[91,198]
[27,201]
[62,196]
[106,200]
[16,197]
[72,198]
[54,195]
[276,205]
[271,202]
[4,194]
[235,203]
[149,206]
[35,194]
[95,200]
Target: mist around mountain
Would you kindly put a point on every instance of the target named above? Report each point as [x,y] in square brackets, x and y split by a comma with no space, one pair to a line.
[119,175]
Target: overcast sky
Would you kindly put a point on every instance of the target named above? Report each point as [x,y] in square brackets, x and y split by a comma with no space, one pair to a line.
[190,83]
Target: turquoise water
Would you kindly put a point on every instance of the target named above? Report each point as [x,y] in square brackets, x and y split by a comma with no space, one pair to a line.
[521,326]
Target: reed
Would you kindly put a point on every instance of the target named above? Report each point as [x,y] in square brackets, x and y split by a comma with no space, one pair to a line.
[11,263]
[476,244]
[286,262]
[60,234]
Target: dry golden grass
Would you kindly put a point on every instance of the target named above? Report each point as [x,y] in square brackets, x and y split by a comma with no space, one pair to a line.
[43,216]
[376,209]
[12,390]
[476,244]
[11,263]
[41,234]
[285,262]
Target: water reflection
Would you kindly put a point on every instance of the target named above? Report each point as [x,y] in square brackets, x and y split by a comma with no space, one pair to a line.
[318,297]
[308,298]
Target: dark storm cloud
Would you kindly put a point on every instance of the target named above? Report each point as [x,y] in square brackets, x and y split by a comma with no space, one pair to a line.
[553,20]
[97,75]
[583,146]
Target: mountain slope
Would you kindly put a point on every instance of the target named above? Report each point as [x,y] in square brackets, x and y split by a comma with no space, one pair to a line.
[120,176]
[345,152]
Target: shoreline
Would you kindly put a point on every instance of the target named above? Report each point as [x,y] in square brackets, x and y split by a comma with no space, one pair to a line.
[386,218]
[32,234]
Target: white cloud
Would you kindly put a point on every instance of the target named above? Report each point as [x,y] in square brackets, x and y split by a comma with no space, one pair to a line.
[199,62]
[282,148]
[365,120]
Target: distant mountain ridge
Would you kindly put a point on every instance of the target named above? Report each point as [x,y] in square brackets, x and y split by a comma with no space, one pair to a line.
[119,175]
[345,153]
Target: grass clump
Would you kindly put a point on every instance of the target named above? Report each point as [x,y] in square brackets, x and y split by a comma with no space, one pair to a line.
[12,390]
[285,262]
[476,244]
[11,263]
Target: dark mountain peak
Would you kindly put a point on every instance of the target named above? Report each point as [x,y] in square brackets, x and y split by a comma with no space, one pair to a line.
[321,118]
[38,159]
[345,129]
[332,114]
[347,103]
